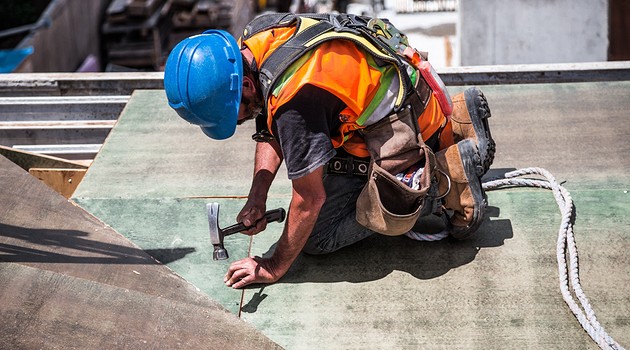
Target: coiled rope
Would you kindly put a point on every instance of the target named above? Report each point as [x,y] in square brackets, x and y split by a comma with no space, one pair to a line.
[567,271]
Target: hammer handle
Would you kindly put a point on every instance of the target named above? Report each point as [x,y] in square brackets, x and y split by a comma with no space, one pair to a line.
[271,215]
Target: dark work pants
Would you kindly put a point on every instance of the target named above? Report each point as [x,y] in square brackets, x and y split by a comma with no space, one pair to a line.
[336,226]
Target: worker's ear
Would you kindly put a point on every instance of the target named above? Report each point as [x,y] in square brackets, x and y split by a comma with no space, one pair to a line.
[248,85]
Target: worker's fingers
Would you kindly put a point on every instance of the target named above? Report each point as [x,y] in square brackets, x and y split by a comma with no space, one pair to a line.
[235,277]
[243,214]
[257,227]
[260,226]
[247,271]
[243,282]
[235,266]
[254,217]
[254,214]
[239,270]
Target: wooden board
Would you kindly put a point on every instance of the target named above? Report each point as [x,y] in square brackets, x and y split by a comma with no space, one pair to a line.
[64,181]
[27,160]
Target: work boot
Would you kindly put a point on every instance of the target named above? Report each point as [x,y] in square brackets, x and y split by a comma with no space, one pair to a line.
[470,121]
[459,182]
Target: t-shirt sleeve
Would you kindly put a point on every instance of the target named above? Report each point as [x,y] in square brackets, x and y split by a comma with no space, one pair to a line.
[303,127]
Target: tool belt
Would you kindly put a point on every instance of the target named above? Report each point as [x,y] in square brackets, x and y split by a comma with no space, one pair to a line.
[347,166]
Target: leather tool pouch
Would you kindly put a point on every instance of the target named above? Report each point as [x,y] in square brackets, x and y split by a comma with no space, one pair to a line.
[386,205]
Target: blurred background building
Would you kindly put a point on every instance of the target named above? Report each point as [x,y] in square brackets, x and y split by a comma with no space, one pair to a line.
[137,35]
[541,31]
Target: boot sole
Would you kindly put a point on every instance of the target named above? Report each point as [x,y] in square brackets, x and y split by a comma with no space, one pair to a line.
[473,168]
[479,112]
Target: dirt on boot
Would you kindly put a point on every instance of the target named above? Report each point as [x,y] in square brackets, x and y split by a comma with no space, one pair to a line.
[470,121]
[460,184]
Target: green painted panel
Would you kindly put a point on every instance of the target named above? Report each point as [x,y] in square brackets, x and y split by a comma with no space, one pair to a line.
[175,232]
[499,290]
[153,153]
[580,131]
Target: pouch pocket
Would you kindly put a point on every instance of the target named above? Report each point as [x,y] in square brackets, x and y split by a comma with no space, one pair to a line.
[394,142]
[388,206]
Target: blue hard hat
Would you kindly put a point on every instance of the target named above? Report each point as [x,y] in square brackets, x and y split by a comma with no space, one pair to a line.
[203,80]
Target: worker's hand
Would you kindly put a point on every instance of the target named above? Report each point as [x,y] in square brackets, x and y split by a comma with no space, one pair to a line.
[251,215]
[252,270]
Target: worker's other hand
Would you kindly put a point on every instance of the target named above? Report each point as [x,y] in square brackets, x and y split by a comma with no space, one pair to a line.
[251,215]
[251,270]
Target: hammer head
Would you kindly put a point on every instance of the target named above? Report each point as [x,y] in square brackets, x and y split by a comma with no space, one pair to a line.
[216,234]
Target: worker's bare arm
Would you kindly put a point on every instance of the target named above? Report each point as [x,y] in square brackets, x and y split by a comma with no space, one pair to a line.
[266,164]
[308,196]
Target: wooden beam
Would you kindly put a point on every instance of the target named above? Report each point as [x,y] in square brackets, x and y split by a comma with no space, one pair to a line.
[64,181]
[27,160]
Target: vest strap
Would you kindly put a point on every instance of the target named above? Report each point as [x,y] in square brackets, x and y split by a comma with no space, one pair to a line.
[288,53]
[266,22]
[329,27]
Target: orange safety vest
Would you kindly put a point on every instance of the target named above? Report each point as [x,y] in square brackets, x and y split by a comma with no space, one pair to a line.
[343,69]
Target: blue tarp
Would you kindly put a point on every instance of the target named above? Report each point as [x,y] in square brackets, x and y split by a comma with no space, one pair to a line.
[11,59]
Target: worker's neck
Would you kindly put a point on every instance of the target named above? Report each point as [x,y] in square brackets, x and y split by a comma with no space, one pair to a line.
[249,56]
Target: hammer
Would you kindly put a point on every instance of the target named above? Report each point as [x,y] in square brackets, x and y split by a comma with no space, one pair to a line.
[217,234]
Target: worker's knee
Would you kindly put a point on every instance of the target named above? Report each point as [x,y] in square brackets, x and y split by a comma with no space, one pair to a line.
[316,247]
[330,239]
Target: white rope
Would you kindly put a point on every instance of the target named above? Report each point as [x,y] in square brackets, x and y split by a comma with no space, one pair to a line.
[427,237]
[567,271]
[565,246]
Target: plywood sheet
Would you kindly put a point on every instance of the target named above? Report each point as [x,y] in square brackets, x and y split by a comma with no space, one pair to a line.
[46,310]
[27,160]
[153,153]
[499,290]
[175,232]
[580,132]
[64,181]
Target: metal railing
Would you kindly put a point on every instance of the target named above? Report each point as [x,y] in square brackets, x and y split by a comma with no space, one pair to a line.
[67,115]
[69,127]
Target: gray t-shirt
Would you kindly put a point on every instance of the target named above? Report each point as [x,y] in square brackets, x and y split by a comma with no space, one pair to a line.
[303,128]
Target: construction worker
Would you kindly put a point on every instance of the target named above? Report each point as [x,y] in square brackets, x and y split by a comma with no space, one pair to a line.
[336,100]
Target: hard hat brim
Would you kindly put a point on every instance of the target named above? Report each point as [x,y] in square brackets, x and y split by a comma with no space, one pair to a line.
[218,132]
